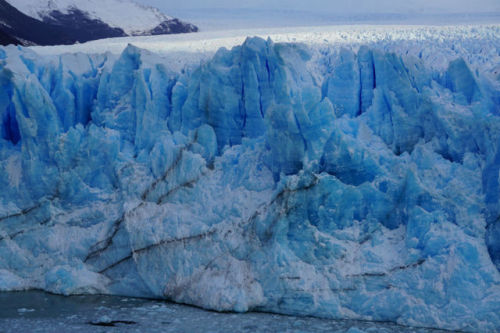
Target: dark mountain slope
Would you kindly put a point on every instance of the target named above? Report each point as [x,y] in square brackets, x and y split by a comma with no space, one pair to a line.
[6,39]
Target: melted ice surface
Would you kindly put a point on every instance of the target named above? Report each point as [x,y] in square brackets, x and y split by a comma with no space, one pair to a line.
[40,312]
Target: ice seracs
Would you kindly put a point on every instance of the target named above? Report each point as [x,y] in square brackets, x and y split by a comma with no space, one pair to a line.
[335,181]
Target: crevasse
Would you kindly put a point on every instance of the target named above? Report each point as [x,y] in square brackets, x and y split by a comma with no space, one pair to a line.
[342,184]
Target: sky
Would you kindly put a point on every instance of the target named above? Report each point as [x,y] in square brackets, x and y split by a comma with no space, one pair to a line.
[337,6]
[234,14]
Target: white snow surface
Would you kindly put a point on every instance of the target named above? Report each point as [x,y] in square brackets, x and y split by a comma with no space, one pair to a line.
[189,49]
[132,17]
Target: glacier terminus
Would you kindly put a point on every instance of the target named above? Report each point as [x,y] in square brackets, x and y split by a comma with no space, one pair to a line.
[355,179]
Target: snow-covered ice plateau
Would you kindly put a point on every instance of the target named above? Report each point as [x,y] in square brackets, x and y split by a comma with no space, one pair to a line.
[338,172]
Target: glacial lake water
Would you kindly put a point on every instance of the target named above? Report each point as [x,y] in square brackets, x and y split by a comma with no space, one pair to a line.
[36,311]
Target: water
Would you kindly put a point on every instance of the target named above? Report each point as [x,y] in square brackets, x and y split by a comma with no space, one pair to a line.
[35,311]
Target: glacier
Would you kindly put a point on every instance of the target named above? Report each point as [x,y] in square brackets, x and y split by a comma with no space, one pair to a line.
[351,181]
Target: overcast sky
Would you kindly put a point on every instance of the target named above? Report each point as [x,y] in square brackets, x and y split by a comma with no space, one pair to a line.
[337,6]
[229,14]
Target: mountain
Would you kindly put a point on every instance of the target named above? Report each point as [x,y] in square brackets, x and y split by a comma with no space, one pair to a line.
[6,39]
[19,28]
[53,22]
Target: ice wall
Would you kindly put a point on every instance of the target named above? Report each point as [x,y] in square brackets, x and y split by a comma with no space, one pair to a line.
[341,183]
